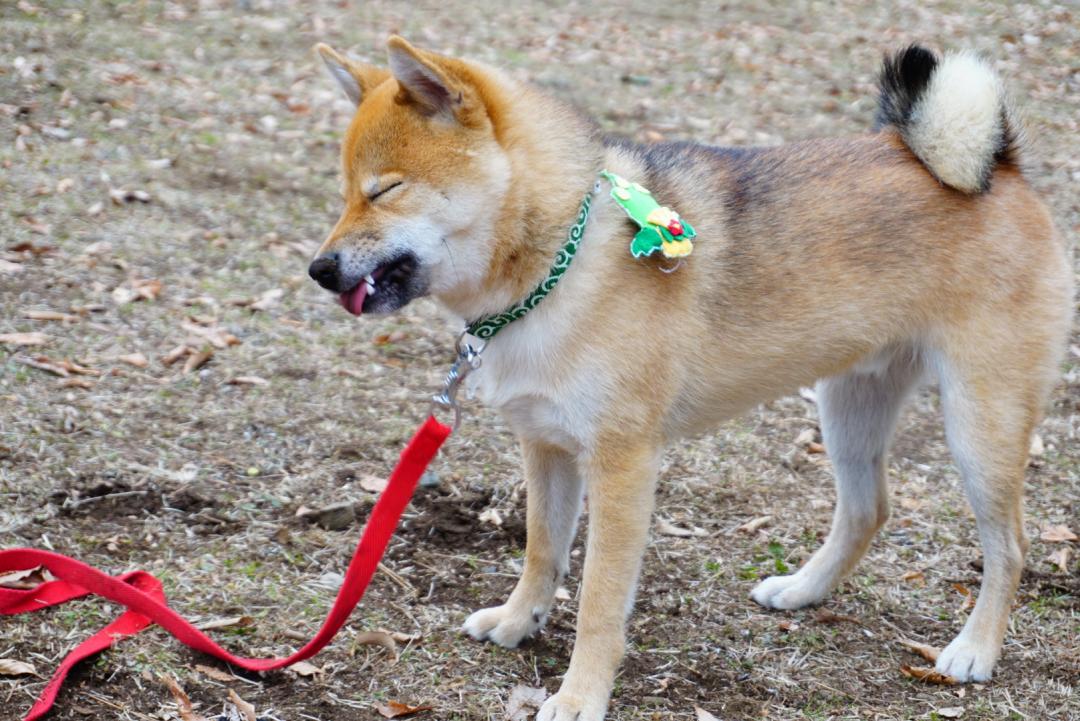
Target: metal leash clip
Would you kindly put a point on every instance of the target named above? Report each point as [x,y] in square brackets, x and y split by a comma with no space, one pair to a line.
[468,360]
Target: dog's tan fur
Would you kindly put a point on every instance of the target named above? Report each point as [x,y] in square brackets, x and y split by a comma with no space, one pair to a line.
[841,259]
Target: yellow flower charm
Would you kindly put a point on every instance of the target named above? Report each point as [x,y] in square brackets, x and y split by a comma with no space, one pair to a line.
[676,248]
[662,216]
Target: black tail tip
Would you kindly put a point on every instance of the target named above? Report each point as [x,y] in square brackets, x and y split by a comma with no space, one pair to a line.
[904,77]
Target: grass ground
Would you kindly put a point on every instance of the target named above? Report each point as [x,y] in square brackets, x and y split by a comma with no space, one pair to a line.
[194,144]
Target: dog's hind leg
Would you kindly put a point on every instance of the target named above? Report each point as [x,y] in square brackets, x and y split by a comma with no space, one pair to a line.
[555,490]
[992,392]
[858,410]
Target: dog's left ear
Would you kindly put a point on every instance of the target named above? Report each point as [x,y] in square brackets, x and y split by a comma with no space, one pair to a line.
[433,84]
[355,78]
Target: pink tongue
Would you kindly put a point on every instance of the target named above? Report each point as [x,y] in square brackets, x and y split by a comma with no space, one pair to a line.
[353,301]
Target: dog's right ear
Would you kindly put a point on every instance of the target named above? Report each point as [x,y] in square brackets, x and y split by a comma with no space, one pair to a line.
[354,77]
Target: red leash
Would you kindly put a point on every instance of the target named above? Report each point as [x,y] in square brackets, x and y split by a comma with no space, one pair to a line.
[144,598]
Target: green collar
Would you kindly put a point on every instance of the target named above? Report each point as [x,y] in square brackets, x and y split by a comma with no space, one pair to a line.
[661,230]
[486,328]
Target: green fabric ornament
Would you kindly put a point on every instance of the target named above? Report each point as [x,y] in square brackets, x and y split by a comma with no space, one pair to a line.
[661,227]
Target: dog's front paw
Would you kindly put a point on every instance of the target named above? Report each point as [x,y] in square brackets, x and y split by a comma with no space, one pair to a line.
[788,592]
[966,660]
[565,706]
[503,624]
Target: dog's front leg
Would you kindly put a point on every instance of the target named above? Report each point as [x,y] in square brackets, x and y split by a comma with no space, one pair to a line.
[620,477]
[555,488]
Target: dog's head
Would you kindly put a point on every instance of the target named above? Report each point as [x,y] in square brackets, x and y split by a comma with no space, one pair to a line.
[423,178]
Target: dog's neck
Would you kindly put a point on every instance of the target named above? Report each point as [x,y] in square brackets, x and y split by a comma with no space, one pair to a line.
[554,156]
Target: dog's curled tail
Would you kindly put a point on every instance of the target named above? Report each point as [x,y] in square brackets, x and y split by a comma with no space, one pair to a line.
[951,113]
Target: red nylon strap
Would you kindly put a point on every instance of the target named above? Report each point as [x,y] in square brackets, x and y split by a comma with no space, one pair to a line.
[144,598]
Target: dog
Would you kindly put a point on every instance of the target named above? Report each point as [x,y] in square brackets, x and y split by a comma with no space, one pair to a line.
[866,264]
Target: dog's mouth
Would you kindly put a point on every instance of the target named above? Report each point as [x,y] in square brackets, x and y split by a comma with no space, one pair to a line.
[385,288]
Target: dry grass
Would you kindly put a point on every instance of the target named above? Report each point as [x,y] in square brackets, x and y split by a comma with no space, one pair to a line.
[218,111]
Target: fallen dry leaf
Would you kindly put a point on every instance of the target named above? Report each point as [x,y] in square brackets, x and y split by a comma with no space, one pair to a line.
[183,703]
[1057,534]
[20,339]
[917,578]
[1060,558]
[492,516]
[248,381]
[49,315]
[667,528]
[824,615]
[174,355]
[217,337]
[753,524]
[76,383]
[969,597]
[402,637]
[927,675]
[378,638]
[246,710]
[395,709]
[241,621]
[305,669]
[44,364]
[197,360]
[11,667]
[134,359]
[703,715]
[214,673]
[930,653]
[951,712]
[26,579]
[524,701]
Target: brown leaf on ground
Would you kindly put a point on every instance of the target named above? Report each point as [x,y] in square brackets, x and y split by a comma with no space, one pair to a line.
[247,711]
[1060,558]
[134,359]
[824,615]
[753,524]
[248,381]
[42,363]
[917,578]
[174,355]
[239,621]
[20,339]
[396,709]
[666,528]
[927,675]
[401,636]
[197,360]
[11,667]
[76,383]
[703,715]
[378,638]
[1057,534]
[214,673]
[183,703]
[524,701]
[305,669]
[26,579]
[928,652]
[49,315]
[969,597]
[217,337]
[787,626]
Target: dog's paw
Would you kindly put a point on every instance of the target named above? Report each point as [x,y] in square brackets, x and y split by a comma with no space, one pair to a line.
[788,592]
[572,707]
[503,625]
[966,660]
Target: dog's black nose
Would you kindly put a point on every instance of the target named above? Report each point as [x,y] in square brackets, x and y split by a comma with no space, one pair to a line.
[324,271]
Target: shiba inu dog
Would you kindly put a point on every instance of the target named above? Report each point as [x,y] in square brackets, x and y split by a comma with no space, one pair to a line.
[866,264]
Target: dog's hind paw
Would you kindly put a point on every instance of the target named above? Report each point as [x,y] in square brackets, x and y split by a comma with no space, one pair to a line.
[503,625]
[966,660]
[788,592]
